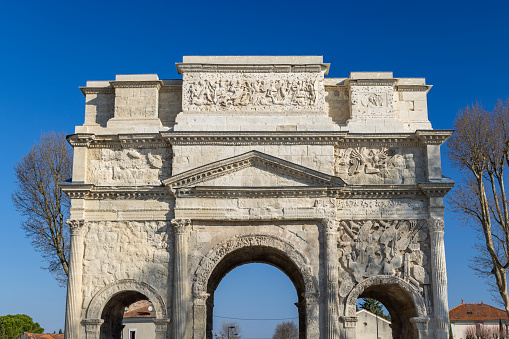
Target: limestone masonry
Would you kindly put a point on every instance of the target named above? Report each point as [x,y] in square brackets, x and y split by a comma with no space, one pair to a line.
[336,181]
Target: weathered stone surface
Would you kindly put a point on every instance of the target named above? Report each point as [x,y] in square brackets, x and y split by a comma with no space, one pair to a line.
[335,181]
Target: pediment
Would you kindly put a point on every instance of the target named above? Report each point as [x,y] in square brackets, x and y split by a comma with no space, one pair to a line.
[253,169]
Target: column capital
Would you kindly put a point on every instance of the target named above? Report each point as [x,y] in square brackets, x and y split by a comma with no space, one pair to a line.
[76,226]
[180,226]
[161,321]
[436,225]
[311,297]
[201,299]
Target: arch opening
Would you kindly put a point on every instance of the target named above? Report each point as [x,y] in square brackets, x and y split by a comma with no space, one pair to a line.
[263,255]
[401,300]
[113,313]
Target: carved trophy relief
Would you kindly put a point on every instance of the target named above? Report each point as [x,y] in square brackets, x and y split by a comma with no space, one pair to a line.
[372,100]
[129,166]
[376,165]
[376,247]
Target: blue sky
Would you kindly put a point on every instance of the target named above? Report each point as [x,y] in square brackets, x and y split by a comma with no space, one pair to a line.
[50,48]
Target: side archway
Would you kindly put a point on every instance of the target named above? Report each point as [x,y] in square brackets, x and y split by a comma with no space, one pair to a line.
[105,311]
[402,300]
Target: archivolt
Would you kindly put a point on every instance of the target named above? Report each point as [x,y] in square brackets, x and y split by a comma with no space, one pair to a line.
[219,252]
[417,299]
[102,297]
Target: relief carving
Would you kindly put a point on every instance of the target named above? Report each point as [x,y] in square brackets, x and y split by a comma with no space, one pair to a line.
[372,100]
[129,166]
[226,93]
[377,165]
[376,247]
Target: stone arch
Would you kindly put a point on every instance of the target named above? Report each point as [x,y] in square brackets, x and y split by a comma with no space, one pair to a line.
[248,248]
[209,262]
[105,294]
[402,300]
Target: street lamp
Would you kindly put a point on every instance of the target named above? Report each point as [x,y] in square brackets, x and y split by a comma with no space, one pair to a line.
[229,331]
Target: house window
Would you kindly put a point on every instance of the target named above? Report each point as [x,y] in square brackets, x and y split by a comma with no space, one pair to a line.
[132,333]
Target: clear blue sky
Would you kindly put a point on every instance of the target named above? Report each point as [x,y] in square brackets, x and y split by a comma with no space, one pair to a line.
[49,48]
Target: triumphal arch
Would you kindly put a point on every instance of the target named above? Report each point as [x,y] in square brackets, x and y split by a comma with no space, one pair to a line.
[335,181]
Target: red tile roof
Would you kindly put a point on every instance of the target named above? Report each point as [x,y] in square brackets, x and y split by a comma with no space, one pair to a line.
[139,310]
[476,312]
[44,336]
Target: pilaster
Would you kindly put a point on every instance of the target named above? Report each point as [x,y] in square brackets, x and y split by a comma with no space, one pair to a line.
[161,328]
[439,279]
[93,328]
[422,326]
[312,315]
[349,324]
[180,278]
[74,282]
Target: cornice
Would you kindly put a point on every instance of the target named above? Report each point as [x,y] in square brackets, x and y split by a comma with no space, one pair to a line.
[97,90]
[433,137]
[147,140]
[137,84]
[241,68]
[90,191]
[250,192]
[436,189]
[379,139]
[371,82]
[253,138]
[413,88]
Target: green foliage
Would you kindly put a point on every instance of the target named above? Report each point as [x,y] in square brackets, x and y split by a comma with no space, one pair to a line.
[375,307]
[11,326]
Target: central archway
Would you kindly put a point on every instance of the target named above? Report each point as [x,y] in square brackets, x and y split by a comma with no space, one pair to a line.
[253,248]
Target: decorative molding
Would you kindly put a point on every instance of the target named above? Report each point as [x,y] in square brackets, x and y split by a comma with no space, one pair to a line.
[97,90]
[137,84]
[252,159]
[436,189]
[148,140]
[253,138]
[372,82]
[210,68]
[413,88]
[433,137]
[251,192]
[91,191]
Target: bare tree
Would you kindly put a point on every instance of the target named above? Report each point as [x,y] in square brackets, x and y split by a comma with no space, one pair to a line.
[230,330]
[479,148]
[42,203]
[286,330]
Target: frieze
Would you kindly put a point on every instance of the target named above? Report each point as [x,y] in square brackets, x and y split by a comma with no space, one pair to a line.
[244,93]
[383,247]
[137,141]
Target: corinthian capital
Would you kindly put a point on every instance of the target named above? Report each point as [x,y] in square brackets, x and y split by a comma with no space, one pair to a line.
[180,226]
[76,226]
[436,225]
[330,224]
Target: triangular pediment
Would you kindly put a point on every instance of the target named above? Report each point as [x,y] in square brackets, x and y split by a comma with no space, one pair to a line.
[253,169]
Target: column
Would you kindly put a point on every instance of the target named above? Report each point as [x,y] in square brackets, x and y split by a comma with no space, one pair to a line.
[180,279]
[330,233]
[161,328]
[439,279]
[301,307]
[74,281]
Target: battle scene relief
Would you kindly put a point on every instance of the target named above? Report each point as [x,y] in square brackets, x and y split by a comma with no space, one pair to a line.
[376,247]
[379,165]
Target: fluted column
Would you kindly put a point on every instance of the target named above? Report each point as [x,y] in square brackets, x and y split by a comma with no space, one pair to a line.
[74,281]
[180,279]
[331,278]
[439,279]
